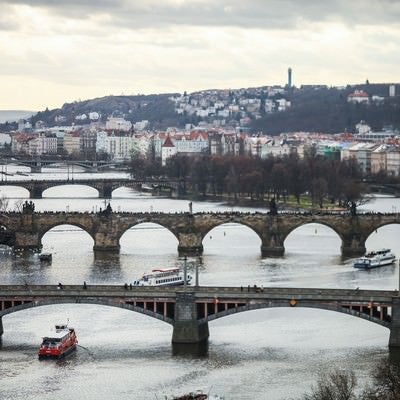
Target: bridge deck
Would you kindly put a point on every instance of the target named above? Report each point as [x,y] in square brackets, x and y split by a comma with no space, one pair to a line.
[201,292]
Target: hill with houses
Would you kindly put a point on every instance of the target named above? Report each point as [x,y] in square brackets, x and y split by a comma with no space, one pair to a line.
[268,109]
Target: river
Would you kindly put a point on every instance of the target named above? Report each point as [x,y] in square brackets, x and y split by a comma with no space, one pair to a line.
[272,354]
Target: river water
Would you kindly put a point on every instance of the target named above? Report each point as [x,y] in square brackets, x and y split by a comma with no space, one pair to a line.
[270,354]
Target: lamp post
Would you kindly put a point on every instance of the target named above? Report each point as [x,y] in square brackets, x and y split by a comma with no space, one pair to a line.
[197,270]
[185,271]
[197,275]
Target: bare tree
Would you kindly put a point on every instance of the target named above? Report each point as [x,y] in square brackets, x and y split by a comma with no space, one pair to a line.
[337,385]
[386,383]
[4,203]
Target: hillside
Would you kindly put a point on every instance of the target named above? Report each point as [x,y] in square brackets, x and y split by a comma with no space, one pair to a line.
[312,109]
[155,108]
[327,110]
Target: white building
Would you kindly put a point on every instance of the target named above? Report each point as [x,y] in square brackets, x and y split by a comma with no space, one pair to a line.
[393,162]
[361,152]
[117,146]
[140,125]
[358,96]
[118,124]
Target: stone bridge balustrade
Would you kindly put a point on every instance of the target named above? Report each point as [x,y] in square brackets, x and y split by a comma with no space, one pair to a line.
[189,229]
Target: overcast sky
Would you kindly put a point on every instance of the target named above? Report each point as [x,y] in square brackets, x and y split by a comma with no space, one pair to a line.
[57,51]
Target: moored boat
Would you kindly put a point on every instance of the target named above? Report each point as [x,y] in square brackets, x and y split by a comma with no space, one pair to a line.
[58,343]
[163,277]
[198,395]
[375,259]
[45,257]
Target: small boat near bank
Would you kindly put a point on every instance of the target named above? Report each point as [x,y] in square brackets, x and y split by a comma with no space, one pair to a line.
[163,277]
[58,343]
[375,259]
[198,395]
[45,257]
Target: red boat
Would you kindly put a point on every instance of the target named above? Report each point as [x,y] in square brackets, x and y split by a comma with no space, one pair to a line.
[58,343]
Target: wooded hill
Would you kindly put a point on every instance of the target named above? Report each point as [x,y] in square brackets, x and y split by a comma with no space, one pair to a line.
[327,110]
[313,109]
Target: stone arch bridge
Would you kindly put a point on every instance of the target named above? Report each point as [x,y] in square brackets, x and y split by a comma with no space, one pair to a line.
[36,165]
[105,187]
[25,230]
[188,309]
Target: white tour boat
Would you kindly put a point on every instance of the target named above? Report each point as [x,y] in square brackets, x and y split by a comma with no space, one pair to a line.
[375,259]
[163,277]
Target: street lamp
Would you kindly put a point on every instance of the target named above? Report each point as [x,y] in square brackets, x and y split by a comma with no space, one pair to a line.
[185,271]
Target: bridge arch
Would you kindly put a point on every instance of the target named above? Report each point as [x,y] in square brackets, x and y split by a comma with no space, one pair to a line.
[14,190]
[225,236]
[281,304]
[70,190]
[143,233]
[102,302]
[313,233]
[47,229]
[391,231]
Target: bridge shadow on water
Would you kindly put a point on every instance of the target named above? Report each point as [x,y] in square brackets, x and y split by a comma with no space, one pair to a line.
[190,349]
[394,356]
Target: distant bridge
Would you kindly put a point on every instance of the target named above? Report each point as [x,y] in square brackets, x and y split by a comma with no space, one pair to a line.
[105,187]
[188,309]
[36,165]
[26,230]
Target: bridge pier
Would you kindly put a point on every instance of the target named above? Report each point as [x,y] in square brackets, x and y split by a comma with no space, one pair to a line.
[353,251]
[107,248]
[272,244]
[190,244]
[275,251]
[27,241]
[36,192]
[106,241]
[1,327]
[394,338]
[190,251]
[107,191]
[187,329]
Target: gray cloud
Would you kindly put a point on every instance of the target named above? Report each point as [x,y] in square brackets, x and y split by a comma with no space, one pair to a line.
[266,14]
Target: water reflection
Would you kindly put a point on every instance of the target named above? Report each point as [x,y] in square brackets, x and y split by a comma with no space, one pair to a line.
[190,349]
[127,355]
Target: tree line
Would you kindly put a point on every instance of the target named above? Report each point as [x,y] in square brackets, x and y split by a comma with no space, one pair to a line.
[320,179]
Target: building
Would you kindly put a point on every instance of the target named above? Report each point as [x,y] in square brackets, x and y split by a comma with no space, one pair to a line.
[72,142]
[168,150]
[378,160]
[361,152]
[358,96]
[393,161]
[118,124]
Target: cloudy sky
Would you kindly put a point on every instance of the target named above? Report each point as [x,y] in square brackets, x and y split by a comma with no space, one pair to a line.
[56,51]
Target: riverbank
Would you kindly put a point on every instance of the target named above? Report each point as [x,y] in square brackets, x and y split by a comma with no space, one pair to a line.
[289,204]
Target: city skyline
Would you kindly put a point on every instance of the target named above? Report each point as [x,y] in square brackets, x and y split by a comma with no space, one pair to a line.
[55,53]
